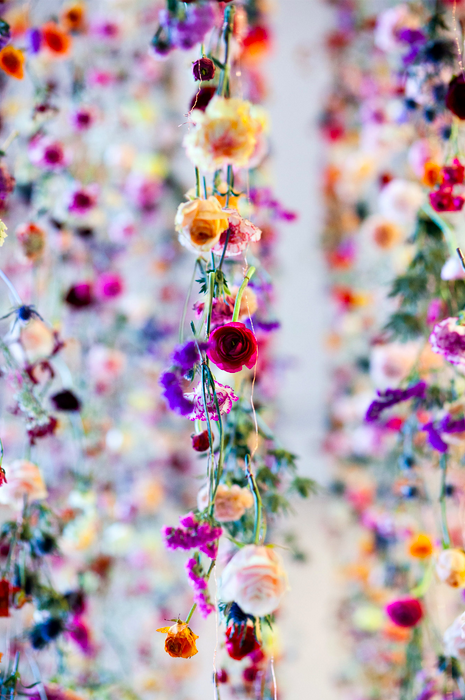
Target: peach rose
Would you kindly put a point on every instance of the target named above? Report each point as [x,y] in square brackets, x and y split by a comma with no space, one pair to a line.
[200,223]
[37,340]
[450,567]
[230,502]
[255,580]
[24,479]
[227,133]
[180,640]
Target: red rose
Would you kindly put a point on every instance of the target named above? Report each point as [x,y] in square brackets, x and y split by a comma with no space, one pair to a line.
[240,643]
[232,346]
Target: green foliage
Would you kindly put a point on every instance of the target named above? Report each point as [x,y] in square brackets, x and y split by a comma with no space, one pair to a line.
[403,325]
[303,486]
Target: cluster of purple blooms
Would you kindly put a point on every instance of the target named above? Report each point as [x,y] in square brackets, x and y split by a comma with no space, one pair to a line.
[199,584]
[184,358]
[391,397]
[185,31]
[193,534]
[263,197]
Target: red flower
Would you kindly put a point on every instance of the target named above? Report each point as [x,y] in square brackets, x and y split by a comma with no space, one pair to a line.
[406,612]
[232,346]
[453,174]
[201,441]
[4,598]
[239,642]
[455,97]
[444,200]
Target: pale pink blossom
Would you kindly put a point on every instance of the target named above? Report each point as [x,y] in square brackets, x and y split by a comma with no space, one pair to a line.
[241,233]
[255,580]
[105,365]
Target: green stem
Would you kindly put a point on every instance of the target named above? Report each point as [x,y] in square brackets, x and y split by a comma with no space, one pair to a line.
[442,500]
[237,305]
[223,85]
[219,468]
[186,303]
[211,292]
[191,612]
[260,523]
[229,181]
[197,183]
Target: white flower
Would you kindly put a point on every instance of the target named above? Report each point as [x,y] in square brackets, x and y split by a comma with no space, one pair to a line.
[225,396]
[3,233]
[454,638]
[255,580]
[388,25]
[452,270]
[400,200]
[23,479]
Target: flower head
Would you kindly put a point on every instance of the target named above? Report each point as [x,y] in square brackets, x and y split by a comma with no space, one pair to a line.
[232,346]
[203,69]
[46,153]
[24,479]
[32,240]
[180,640]
[12,62]
[200,223]
[225,397]
[255,580]
[55,40]
[448,339]
[239,234]
[231,502]
[421,546]
[455,96]
[82,200]
[406,612]
[450,567]
[225,134]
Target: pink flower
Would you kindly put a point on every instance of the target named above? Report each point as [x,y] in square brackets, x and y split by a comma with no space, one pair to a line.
[448,339]
[82,118]
[105,365]
[109,285]
[80,634]
[82,200]
[406,612]
[241,233]
[143,192]
[443,200]
[46,153]
[255,580]
[225,396]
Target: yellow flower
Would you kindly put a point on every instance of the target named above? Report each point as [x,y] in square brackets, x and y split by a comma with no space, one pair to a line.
[421,546]
[180,640]
[200,223]
[225,134]
[3,233]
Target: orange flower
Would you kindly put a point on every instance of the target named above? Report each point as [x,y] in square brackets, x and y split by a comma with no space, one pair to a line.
[431,174]
[74,17]
[421,546]
[12,62]
[55,39]
[180,640]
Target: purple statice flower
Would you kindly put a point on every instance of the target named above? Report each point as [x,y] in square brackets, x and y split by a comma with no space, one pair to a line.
[186,356]
[263,197]
[192,535]
[391,397]
[447,425]
[200,586]
[191,29]
[448,339]
[174,395]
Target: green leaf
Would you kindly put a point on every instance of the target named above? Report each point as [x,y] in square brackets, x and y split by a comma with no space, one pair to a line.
[303,486]
[404,325]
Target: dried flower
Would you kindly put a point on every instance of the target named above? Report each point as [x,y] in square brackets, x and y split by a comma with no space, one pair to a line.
[65,400]
[406,612]
[225,134]
[255,580]
[203,69]
[12,62]
[32,239]
[200,223]
[180,640]
[450,567]
[232,346]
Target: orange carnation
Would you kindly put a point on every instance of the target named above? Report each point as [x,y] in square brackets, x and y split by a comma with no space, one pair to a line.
[12,62]
[74,17]
[55,39]
[421,546]
[180,640]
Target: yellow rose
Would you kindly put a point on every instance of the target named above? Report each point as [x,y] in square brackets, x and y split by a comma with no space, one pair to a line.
[200,223]
[225,134]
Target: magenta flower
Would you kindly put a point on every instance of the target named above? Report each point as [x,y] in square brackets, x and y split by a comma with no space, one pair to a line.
[443,200]
[109,285]
[82,200]
[82,119]
[225,396]
[448,339]
[47,154]
[406,612]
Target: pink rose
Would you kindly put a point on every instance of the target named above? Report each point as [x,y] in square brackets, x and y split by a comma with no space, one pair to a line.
[255,580]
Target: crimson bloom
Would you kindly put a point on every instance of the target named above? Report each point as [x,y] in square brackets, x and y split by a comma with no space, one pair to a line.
[406,612]
[232,346]
[240,643]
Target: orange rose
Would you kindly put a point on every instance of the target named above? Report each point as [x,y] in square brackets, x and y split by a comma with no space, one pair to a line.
[200,223]
[12,62]
[55,39]
[180,640]
[421,546]
[74,17]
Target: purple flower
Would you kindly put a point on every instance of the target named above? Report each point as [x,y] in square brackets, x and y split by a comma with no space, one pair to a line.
[195,534]
[174,395]
[189,31]
[186,356]
[391,397]
[447,425]
[203,69]
[34,40]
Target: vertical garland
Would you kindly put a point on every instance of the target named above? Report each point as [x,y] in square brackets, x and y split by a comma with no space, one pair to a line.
[395,195]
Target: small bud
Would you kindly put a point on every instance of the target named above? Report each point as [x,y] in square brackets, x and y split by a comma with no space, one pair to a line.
[201,442]
[203,69]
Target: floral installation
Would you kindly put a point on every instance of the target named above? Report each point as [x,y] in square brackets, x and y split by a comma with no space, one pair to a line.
[394,243]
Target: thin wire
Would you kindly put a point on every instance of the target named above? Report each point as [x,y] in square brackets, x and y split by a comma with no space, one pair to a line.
[454,27]
[273,675]
[254,413]
[217,641]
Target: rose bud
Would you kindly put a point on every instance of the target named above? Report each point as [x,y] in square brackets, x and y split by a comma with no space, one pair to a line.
[65,401]
[222,676]
[405,613]
[203,69]
[240,644]
[455,97]
[250,673]
[202,98]
[232,346]
[201,441]
[180,640]
[80,295]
